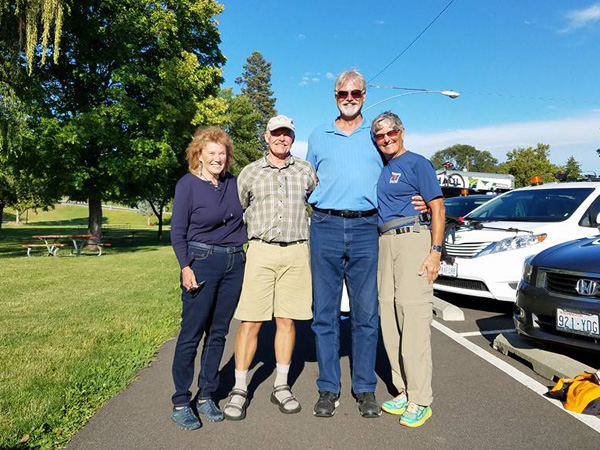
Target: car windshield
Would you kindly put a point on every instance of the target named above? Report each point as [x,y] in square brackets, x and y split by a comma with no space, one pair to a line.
[460,206]
[533,205]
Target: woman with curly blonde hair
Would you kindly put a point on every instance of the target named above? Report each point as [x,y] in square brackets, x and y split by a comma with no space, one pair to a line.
[207,234]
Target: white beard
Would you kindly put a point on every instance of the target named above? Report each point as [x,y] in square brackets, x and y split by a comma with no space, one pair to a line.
[350,109]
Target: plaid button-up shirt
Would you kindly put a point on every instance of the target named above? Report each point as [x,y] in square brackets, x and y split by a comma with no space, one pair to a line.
[274,199]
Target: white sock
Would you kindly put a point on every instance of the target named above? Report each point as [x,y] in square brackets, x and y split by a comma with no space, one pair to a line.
[282,374]
[241,380]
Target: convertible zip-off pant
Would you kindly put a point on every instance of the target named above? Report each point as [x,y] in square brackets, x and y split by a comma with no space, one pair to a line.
[405,307]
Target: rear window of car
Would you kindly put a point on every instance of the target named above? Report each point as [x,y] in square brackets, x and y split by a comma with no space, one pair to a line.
[535,205]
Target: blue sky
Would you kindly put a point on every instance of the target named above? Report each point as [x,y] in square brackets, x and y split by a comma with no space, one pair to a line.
[528,70]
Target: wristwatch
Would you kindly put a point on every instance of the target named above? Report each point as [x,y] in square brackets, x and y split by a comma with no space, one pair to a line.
[437,248]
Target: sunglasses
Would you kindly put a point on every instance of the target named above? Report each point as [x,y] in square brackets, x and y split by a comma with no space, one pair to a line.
[356,94]
[392,134]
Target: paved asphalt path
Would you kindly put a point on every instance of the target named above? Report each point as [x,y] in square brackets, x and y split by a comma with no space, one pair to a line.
[476,406]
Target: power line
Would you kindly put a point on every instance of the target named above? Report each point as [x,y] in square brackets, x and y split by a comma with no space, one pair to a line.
[413,41]
[496,94]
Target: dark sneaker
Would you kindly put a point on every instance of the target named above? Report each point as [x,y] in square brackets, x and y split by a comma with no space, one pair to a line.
[367,405]
[185,418]
[210,411]
[325,406]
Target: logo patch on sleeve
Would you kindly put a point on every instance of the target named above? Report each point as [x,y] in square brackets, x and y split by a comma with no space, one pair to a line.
[395,177]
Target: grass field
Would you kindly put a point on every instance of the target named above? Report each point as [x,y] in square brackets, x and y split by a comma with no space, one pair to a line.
[75,331]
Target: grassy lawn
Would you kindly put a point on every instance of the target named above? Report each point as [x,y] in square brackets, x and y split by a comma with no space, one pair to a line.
[74,331]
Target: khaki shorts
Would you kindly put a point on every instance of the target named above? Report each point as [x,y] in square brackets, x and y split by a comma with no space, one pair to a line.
[277,282]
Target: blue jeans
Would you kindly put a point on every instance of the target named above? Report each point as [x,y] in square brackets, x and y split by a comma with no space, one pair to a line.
[345,248]
[208,314]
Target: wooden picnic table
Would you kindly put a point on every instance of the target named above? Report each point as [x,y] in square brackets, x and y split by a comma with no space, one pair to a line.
[51,242]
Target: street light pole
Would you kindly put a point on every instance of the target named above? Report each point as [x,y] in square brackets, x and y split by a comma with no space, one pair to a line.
[449,94]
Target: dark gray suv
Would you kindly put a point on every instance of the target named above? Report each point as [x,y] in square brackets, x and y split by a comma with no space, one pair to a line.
[558,299]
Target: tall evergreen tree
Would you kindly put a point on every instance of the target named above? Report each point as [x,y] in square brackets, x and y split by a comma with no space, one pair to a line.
[242,126]
[255,83]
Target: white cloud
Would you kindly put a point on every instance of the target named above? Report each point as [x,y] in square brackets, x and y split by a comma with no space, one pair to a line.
[528,22]
[303,83]
[301,36]
[315,80]
[577,136]
[579,18]
[379,22]
[329,76]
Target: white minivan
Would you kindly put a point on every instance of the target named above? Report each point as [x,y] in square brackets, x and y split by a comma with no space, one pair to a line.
[489,248]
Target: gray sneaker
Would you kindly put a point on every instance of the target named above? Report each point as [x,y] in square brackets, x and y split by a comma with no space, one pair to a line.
[367,405]
[325,406]
[210,411]
[185,418]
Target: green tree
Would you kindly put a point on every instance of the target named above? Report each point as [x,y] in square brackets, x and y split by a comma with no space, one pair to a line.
[465,157]
[242,126]
[255,83]
[572,168]
[523,163]
[127,90]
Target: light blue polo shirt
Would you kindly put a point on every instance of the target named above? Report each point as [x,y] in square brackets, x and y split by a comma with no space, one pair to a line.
[348,167]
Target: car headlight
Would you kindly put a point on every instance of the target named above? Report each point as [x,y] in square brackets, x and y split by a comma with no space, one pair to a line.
[517,242]
[527,270]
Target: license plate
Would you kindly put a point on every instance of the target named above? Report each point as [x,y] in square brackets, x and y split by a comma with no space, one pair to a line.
[449,270]
[586,324]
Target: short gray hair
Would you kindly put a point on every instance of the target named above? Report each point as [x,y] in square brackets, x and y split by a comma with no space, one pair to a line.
[386,116]
[349,75]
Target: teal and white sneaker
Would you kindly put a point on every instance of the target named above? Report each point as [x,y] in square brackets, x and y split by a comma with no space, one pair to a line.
[415,415]
[396,406]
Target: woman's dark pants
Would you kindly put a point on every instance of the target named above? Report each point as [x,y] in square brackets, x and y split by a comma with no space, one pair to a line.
[207,313]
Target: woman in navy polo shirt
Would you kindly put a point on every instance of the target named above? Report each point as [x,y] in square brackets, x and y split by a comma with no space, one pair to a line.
[207,234]
[409,262]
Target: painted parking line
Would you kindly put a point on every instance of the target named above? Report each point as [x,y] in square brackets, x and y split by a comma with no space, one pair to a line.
[486,332]
[535,386]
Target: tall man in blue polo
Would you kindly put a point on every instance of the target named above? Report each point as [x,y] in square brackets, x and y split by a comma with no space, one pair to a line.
[344,245]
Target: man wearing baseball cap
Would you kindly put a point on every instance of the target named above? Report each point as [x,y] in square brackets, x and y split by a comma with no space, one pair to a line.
[277,282]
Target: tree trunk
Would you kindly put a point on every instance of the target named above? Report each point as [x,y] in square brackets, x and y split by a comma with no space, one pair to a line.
[160,224]
[159,215]
[17,217]
[1,214]
[95,216]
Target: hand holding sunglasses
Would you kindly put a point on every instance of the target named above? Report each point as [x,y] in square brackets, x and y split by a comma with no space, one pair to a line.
[194,290]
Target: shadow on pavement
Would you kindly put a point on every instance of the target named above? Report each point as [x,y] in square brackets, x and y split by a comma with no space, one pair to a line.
[304,351]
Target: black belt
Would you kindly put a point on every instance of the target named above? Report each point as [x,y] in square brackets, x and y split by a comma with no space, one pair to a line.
[346,214]
[279,244]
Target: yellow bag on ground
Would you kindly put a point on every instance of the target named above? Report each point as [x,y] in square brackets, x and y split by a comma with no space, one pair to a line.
[580,394]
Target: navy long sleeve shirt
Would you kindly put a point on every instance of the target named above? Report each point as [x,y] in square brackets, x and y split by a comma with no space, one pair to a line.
[205,213]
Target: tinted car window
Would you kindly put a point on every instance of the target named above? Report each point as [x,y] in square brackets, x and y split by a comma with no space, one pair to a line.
[460,206]
[589,217]
[536,205]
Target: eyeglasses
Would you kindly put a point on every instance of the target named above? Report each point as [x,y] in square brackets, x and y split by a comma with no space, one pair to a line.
[392,134]
[356,94]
